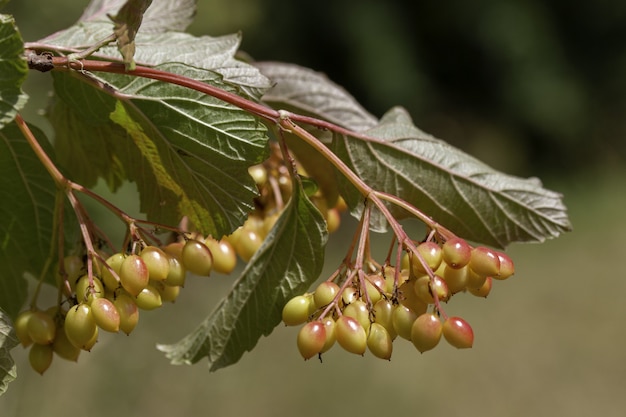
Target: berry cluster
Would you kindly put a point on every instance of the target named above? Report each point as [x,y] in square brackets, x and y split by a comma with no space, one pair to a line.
[110,299]
[367,307]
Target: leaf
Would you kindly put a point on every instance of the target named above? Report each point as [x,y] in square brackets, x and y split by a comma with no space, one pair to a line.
[13,68]
[161,16]
[8,370]
[26,218]
[455,189]
[188,152]
[126,24]
[287,263]
[304,91]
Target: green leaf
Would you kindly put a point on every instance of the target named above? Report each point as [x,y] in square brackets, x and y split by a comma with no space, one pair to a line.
[13,68]
[188,152]
[287,263]
[8,371]
[455,189]
[25,218]
[126,24]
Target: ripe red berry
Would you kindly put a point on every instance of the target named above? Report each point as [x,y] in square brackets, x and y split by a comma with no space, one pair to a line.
[458,332]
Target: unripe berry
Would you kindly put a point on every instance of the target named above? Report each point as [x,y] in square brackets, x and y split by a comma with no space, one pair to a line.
[80,326]
[456,252]
[176,276]
[329,326]
[374,284]
[426,332]
[403,319]
[248,243]
[425,288]
[297,310]
[197,258]
[383,315]
[129,313]
[408,297]
[85,293]
[358,310]
[134,274]
[432,255]
[149,298]
[63,347]
[168,293]
[350,335]
[379,341]
[484,261]
[106,315]
[456,279]
[115,262]
[458,333]
[325,293]
[157,262]
[311,339]
[349,295]
[21,328]
[224,255]
[41,328]
[40,357]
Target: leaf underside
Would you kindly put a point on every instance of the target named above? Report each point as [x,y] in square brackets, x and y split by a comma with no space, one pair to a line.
[288,262]
[8,341]
[455,189]
[126,24]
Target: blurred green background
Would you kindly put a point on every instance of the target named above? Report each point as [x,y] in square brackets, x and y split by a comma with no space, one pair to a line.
[532,88]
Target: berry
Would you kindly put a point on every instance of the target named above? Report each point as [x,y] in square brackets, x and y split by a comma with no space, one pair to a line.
[350,335]
[426,332]
[456,279]
[329,326]
[371,284]
[168,293]
[325,293]
[177,274]
[115,262]
[311,339]
[297,310]
[358,310]
[458,333]
[506,267]
[484,290]
[157,261]
[40,357]
[63,347]
[21,328]
[456,252]
[197,258]
[425,288]
[403,319]
[149,298]
[432,255]
[248,243]
[87,294]
[484,261]
[41,328]
[379,341]
[134,274]
[106,315]
[408,297]
[224,255]
[80,326]
[129,314]
[383,314]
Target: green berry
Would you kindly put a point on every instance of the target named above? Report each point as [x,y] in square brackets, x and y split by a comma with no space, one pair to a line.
[40,357]
[197,258]
[157,262]
[456,252]
[106,315]
[41,328]
[350,335]
[379,341]
[80,326]
[134,275]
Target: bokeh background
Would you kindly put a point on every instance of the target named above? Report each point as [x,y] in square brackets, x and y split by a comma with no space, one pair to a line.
[534,88]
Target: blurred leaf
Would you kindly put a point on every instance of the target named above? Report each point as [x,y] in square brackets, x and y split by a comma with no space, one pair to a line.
[8,341]
[126,24]
[13,68]
[25,218]
[188,152]
[288,262]
[455,189]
